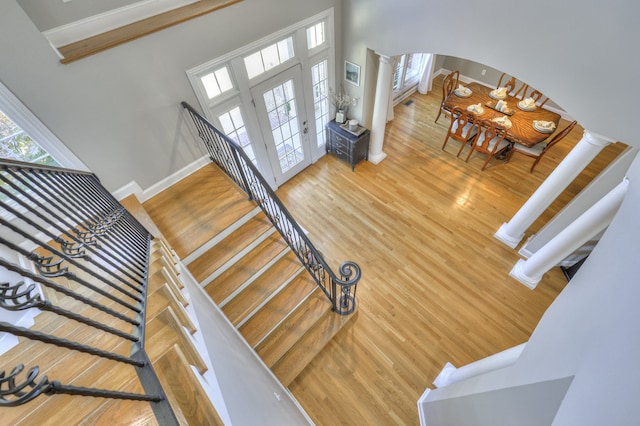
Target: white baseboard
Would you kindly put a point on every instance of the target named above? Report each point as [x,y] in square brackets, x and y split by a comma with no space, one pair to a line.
[144,195]
[107,21]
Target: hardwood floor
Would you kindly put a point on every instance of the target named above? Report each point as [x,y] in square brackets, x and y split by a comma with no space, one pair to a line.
[435,286]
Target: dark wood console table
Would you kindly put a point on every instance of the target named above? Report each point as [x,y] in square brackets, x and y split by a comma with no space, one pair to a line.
[348,146]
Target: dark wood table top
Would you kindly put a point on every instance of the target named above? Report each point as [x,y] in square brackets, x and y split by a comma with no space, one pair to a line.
[522,130]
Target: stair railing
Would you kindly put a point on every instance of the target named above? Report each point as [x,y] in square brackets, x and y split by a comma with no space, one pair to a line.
[85,246]
[229,156]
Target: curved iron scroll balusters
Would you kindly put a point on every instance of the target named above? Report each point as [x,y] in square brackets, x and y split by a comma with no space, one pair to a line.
[14,392]
[242,171]
[350,273]
[18,298]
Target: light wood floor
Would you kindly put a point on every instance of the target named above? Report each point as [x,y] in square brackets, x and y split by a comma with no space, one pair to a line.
[435,285]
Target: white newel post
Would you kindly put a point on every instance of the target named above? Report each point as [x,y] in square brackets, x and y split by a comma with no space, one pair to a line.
[380,108]
[512,232]
[591,222]
[451,374]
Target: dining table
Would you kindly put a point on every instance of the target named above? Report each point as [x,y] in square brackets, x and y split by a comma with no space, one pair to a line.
[522,130]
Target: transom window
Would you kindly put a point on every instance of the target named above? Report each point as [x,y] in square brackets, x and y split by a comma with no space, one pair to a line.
[269,57]
[217,82]
[315,35]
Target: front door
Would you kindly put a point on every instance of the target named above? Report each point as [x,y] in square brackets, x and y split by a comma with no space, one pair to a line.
[280,109]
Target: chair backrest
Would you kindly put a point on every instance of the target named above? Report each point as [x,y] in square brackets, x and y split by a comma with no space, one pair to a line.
[559,136]
[537,96]
[449,84]
[511,86]
[490,138]
[462,124]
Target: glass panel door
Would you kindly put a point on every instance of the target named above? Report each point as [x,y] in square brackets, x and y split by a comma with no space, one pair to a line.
[280,109]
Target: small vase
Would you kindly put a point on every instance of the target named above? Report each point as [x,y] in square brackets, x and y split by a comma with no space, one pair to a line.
[341,116]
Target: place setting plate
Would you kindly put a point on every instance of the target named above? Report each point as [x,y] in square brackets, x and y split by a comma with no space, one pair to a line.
[463,93]
[505,123]
[495,95]
[476,110]
[524,107]
[544,126]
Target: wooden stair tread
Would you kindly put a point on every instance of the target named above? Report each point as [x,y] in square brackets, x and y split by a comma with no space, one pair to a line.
[314,340]
[191,222]
[53,409]
[277,308]
[222,252]
[293,328]
[163,332]
[262,288]
[122,412]
[183,388]
[224,285]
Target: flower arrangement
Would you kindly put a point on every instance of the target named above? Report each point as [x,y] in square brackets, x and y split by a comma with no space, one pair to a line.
[341,99]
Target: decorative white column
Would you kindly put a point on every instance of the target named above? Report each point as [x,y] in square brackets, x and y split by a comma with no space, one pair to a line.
[529,272]
[380,108]
[451,374]
[512,232]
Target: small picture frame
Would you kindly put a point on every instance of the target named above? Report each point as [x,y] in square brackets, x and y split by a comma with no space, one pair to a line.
[352,73]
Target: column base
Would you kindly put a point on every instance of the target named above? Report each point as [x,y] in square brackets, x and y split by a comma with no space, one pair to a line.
[501,234]
[377,158]
[518,274]
[443,378]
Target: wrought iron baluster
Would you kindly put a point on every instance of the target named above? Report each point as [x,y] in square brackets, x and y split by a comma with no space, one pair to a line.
[77,192]
[50,284]
[14,299]
[57,239]
[65,343]
[246,175]
[69,275]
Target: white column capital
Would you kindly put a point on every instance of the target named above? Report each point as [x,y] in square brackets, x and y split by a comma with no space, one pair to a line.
[596,139]
[384,58]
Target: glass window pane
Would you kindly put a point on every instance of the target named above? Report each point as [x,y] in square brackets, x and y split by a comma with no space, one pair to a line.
[15,144]
[224,80]
[210,85]
[270,57]
[315,35]
[285,49]
[253,64]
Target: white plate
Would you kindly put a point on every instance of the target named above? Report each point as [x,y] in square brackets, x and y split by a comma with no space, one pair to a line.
[533,108]
[543,129]
[478,113]
[462,94]
[507,124]
[494,96]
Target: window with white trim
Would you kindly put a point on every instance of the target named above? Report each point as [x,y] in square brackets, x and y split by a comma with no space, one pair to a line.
[320,81]
[269,57]
[217,82]
[407,73]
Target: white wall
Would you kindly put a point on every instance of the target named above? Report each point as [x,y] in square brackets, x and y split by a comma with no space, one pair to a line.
[118,111]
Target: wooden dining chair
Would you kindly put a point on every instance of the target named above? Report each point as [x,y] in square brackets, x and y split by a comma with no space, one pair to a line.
[539,150]
[463,128]
[491,141]
[537,96]
[449,84]
[511,86]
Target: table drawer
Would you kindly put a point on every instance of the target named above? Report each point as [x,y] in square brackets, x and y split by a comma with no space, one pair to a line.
[341,141]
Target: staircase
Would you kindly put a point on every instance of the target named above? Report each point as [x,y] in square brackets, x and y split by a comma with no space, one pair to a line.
[250,272]
[169,342]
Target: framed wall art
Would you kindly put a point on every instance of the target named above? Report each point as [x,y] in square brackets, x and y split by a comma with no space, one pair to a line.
[352,73]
